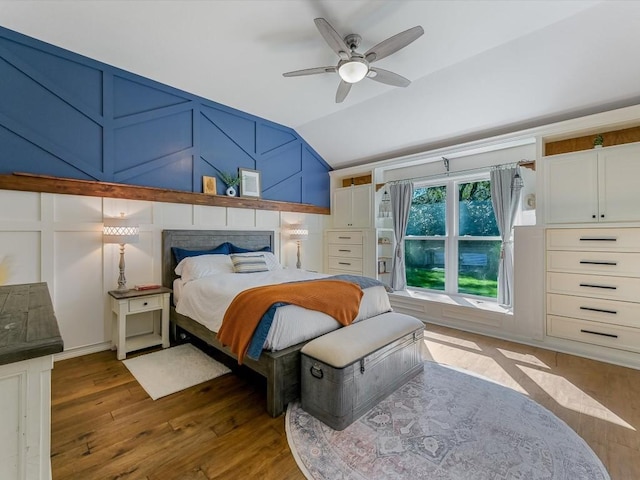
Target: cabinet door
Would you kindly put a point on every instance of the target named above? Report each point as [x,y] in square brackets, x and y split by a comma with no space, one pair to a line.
[341,212]
[361,206]
[352,207]
[571,184]
[619,184]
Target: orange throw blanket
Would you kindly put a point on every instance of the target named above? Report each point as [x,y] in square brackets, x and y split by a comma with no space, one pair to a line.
[336,298]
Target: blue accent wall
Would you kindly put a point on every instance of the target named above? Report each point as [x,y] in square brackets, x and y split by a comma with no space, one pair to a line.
[66,115]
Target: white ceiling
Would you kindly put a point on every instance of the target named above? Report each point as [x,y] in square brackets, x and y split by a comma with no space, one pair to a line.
[482,67]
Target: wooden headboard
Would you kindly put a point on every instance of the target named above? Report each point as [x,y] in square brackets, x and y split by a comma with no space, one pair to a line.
[205,240]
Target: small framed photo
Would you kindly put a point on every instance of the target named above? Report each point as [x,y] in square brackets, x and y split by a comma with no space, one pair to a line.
[209,185]
[250,183]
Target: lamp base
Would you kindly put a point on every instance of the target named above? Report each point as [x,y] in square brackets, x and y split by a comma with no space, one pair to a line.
[298,263]
[122,281]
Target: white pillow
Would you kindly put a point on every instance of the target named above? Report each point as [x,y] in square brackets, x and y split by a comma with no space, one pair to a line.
[193,268]
[269,258]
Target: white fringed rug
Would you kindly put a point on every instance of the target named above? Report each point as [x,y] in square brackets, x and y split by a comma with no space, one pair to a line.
[173,369]
[444,424]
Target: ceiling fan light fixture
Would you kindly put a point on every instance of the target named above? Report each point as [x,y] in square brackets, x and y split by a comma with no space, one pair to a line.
[354,70]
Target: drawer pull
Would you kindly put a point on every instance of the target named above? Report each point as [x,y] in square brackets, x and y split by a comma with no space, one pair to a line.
[598,239]
[343,263]
[606,287]
[344,250]
[610,335]
[600,310]
[344,238]
[145,304]
[597,262]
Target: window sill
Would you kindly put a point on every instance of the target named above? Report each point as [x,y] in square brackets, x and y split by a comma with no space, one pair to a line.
[454,300]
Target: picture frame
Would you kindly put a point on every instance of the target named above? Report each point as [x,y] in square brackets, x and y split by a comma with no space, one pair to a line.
[250,183]
[209,185]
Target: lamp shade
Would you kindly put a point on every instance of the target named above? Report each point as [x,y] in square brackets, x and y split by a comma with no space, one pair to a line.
[298,231]
[119,230]
[353,70]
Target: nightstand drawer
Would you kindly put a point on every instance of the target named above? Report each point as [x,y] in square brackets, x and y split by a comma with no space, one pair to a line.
[143,304]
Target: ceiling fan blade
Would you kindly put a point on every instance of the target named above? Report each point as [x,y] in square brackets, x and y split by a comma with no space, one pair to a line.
[390,78]
[333,38]
[393,44]
[310,71]
[343,91]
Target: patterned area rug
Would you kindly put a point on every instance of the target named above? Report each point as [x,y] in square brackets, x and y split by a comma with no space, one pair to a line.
[444,424]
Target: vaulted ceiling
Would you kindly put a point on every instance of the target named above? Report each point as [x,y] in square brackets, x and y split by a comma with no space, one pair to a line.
[481,68]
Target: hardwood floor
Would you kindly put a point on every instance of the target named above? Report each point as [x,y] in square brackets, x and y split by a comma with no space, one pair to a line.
[104,426]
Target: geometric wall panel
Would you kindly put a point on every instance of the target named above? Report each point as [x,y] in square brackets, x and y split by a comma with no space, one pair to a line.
[269,138]
[131,97]
[83,81]
[65,115]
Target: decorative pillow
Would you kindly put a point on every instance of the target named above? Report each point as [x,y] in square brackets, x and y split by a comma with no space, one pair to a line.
[193,268]
[249,263]
[235,249]
[182,253]
[269,258]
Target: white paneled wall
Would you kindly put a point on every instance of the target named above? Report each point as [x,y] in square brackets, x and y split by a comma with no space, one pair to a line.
[58,239]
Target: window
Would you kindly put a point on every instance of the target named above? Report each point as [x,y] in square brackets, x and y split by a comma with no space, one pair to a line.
[452,242]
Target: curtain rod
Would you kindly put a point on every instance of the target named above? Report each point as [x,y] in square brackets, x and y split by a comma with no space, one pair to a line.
[522,163]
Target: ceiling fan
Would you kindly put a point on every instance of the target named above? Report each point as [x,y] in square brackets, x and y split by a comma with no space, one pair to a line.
[354,66]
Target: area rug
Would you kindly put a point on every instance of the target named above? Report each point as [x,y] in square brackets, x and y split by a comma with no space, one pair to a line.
[444,424]
[173,369]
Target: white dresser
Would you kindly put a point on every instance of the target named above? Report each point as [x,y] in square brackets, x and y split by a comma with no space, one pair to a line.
[345,251]
[593,286]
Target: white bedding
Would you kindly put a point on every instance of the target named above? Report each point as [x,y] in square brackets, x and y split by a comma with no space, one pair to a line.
[206,299]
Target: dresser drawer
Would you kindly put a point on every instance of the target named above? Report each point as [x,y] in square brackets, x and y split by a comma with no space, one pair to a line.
[347,251]
[347,264]
[594,309]
[614,336]
[612,288]
[345,238]
[144,304]
[594,239]
[599,263]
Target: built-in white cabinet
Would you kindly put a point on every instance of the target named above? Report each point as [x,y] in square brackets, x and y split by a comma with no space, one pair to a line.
[599,185]
[593,286]
[351,206]
[350,252]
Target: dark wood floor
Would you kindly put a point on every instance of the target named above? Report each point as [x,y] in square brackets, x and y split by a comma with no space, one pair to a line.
[104,425]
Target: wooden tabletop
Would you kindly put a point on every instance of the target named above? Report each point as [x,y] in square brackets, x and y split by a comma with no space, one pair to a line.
[119,295]
[28,325]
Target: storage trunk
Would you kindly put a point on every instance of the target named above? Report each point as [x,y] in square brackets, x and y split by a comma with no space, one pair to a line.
[348,371]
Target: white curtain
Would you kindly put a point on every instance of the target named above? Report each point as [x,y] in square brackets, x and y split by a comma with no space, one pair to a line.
[401,196]
[506,184]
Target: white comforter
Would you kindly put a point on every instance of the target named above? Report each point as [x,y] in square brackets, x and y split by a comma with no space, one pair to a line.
[206,299]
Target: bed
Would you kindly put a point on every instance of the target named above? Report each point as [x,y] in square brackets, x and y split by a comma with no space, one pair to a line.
[281,368]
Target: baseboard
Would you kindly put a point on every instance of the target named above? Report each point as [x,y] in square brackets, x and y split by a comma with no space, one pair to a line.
[79,351]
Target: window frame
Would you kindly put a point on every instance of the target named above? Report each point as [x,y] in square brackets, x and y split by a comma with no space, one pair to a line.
[452,235]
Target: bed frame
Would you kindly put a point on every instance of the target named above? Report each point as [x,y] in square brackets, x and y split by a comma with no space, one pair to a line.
[281,368]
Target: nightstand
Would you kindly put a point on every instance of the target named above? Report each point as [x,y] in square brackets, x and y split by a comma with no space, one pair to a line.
[131,302]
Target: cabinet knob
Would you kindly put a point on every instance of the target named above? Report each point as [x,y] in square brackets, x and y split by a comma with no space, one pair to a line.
[146,303]
[593,216]
[602,215]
